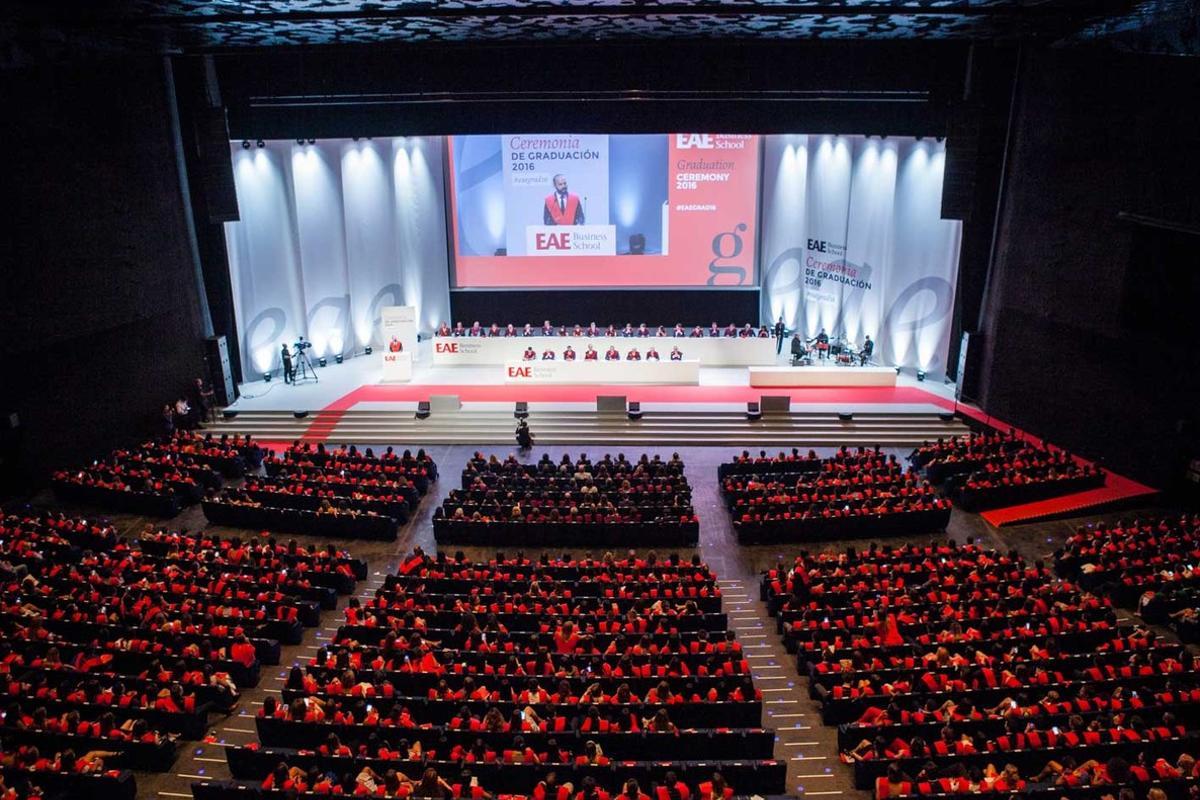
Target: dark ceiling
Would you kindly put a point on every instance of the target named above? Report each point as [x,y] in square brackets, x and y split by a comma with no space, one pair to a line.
[200,26]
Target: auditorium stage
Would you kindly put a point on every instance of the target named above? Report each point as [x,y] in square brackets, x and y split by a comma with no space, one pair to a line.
[349,404]
[356,383]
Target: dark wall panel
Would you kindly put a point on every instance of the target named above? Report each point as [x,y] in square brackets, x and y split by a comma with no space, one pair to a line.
[99,316]
[717,86]
[1095,135]
[654,307]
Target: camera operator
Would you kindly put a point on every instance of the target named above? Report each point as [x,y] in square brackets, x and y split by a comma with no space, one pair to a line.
[289,371]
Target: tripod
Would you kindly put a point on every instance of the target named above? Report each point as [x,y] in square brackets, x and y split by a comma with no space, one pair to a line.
[304,368]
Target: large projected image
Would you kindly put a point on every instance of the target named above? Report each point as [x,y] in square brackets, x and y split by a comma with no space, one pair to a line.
[597,210]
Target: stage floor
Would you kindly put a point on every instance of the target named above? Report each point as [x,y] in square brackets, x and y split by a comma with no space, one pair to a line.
[356,384]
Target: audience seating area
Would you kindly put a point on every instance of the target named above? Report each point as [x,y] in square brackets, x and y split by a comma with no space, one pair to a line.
[981,471]
[157,478]
[801,497]
[340,492]
[1147,564]
[541,678]
[952,669]
[572,502]
[114,651]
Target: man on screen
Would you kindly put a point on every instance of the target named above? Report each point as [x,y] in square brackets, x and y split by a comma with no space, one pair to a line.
[562,207]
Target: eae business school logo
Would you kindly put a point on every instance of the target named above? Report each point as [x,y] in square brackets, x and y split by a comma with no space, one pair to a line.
[711,141]
[457,348]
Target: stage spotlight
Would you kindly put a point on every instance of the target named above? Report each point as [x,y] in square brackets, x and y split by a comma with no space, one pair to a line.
[356,138]
[897,370]
[501,251]
[338,358]
[637,244]
[367,349]
[920,374]
[322,361]
[266,377]
[312,141]
[300,142]
[260,143]
[941,139]
[920,138]
[245,144]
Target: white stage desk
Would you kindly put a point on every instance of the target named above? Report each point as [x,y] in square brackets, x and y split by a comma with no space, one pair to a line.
[822,376]
[603,372]
[712,352]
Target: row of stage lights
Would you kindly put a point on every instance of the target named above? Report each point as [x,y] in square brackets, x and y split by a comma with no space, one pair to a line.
[246,144]
[884,136]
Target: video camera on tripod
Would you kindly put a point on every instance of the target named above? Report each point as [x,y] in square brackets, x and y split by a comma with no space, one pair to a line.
[304,367]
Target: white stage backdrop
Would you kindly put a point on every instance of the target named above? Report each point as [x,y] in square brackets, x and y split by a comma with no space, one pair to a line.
[331,233]
[852,242]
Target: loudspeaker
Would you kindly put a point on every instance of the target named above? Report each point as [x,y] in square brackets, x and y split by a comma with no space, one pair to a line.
[423,409]
[970,352]
[962,160]
[220,372]
[845,416]
[522,410]
[216,165]
[776,403]
[635,410]
[610,403]
[753,411]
